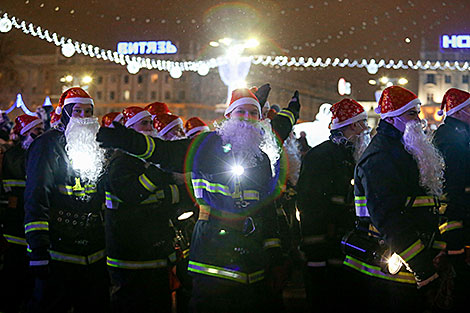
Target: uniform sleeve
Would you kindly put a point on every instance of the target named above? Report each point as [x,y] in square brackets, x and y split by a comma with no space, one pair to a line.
[40,166]
[386,200]
[133,183]
[282,123]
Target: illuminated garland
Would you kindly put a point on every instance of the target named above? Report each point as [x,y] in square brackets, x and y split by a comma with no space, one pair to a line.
[69,47]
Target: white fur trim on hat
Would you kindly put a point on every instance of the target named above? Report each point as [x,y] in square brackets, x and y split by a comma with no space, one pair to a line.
[458,108]
[58,110]
[170,125]
[361,116]
[196,129]
[78,100]
[118,117]
[241,101]
[30,126]
[413,103]
[137,117]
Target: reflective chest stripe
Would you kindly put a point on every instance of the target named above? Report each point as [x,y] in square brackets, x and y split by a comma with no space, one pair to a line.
[360,203]
[412,250]
[150,149]
[200,185]
[371,270]
[272,243]
[154,198]
[77,190]
[136,265]
[36,226]
[421,201]
[288,114]
[77,259]
[14,183]
[112,202]
[448,226]
[225,273]
[15,240]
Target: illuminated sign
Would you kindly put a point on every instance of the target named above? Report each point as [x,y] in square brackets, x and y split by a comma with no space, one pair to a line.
[344,87]
[455,41]
[146,47]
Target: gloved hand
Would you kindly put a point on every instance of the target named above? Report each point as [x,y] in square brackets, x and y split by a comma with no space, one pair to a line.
[117,137]
[40,263]
[294,104]
[262,94]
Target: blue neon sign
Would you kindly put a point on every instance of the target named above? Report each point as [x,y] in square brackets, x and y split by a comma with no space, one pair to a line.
[146,47]
[455,41]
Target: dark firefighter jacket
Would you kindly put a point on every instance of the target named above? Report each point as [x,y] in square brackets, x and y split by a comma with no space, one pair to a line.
[139,201]
[326,201]
[62,214]
[229,237]
[13,180]
[452,138]
[387,191]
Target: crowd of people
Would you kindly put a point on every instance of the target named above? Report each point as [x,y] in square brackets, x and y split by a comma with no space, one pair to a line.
[143,212]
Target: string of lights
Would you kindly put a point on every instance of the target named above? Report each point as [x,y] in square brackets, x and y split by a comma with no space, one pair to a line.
[176,68]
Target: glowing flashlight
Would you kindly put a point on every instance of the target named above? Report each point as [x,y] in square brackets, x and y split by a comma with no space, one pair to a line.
[185,215]
[394,264]
[238,170]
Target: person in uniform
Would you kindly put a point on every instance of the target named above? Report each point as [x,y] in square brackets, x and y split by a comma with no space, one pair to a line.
[234,244]
[63,211]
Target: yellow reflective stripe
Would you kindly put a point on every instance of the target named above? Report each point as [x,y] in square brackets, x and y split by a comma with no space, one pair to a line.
[135,265]
[147,183]
[203,184]
[160,194]
[412,250]
[250,195]
[16,240]
[149,150]
[77,191]
[288,114]
[422,201]
[440,245]
[448,226]
[77,259]
[225,273]
[272,243]
[36,226]
[360,203]
[175,194]
[371,270]
[14,183]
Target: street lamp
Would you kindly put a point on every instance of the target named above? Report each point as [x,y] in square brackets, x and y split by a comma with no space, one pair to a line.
[87,79]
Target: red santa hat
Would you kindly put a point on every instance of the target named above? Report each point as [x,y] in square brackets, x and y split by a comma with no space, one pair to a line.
[132,115]
[157,108]
[55,118]
[345,112]
[396,100]
[25,122]
[108,119]
[242,96]
[272,113]
[454,100]
[163,122]
[72,96]
[194,125]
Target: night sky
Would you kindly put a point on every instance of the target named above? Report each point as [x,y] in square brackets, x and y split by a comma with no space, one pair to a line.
[353,29]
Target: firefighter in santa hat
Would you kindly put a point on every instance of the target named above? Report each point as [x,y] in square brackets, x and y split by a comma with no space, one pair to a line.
[63,211]
[169,126]
[16,280]
[452,138]
[108,119]
[194,126]
[140,200]
[397,183]
[326,204]
[235,244]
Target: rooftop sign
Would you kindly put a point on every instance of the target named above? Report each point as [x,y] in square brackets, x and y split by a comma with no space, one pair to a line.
[146,47]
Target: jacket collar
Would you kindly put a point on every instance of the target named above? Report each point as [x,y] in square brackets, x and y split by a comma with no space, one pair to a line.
[457,124]
[389,130]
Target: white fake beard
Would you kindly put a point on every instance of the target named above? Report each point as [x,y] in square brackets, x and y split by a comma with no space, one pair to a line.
[360,144]
[151,133]
[27,142]
[431,164]
[82,148]
[292,150]
[250,139]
